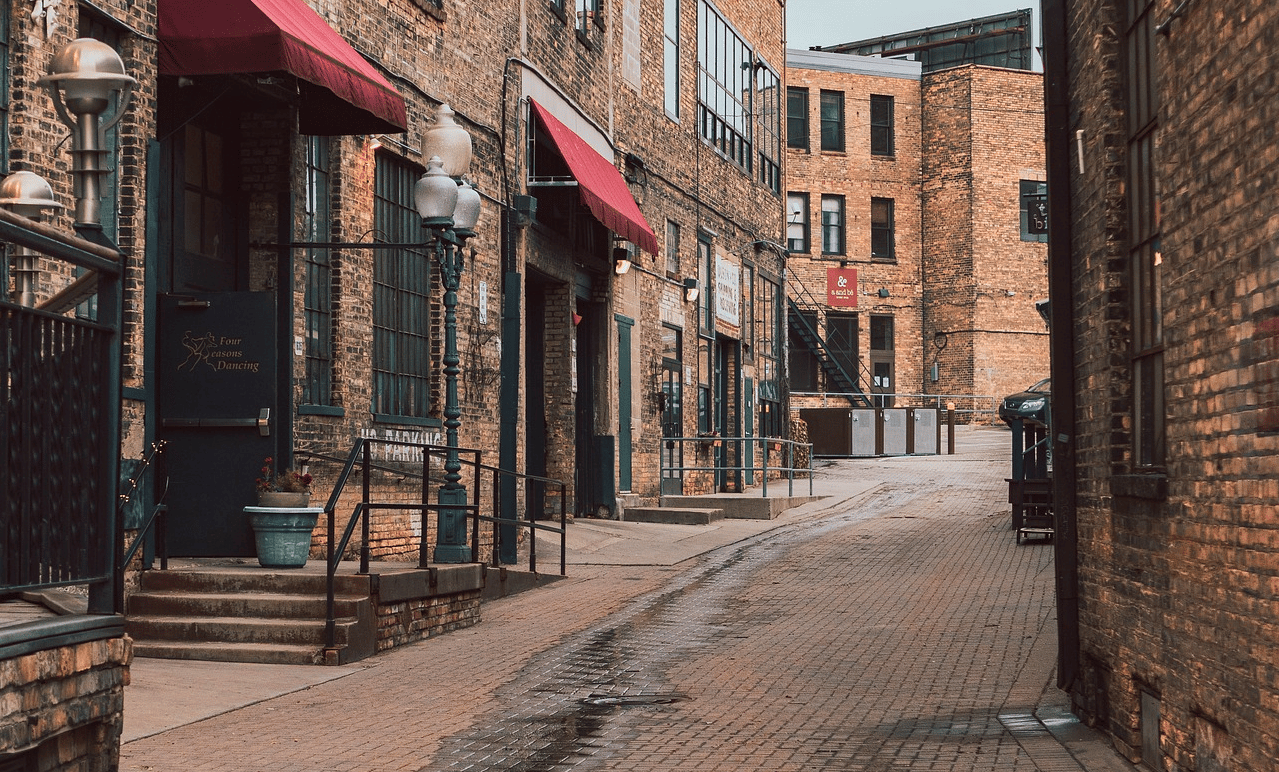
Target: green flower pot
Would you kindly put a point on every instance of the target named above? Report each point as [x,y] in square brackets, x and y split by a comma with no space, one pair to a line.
[283,534]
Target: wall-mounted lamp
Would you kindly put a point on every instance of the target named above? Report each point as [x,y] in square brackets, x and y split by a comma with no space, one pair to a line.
[883,292]
[375,143]
[27,194]
[621,260]
[82,78]
[691,290]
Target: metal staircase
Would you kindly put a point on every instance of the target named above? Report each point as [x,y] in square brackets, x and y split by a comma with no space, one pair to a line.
[802,305]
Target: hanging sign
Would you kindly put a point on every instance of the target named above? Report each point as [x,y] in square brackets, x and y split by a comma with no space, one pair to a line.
[841,287]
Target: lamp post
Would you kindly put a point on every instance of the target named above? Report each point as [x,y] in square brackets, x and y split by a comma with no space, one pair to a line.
[82,78]
[449,208]
[27,194]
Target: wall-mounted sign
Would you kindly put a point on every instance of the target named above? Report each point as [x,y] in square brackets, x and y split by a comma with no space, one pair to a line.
[728,291]
[841,287]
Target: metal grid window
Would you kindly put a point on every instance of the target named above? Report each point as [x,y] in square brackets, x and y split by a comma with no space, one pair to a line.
[883,241]
[797,118]
[1145,258]
[672,249]
[401,297]
[318,301]
[832,116]
[881,125]
[671,57]
[768,88]
[1034,210]
[724,66]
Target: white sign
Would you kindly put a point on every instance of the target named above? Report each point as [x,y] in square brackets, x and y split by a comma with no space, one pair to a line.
[728,291]
[484,302]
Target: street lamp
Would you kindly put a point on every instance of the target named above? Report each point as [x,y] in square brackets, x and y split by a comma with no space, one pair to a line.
[82,78]
[449,208]
[27,194]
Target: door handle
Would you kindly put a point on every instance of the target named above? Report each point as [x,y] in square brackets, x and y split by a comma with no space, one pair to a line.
[264,422]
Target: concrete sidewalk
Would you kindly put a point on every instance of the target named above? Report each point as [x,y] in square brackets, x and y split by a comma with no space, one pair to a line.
[611,564]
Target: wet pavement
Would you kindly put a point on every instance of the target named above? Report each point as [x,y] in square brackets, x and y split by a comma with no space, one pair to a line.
[896,625]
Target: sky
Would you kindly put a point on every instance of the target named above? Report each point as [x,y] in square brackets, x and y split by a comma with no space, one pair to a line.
[827,22]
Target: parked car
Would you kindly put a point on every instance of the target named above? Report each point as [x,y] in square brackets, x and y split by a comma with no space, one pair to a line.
[1030,405]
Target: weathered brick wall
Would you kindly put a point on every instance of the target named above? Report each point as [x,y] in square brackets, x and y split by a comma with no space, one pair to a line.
[983,133]
[65,705]
[1174,588]
[408,621]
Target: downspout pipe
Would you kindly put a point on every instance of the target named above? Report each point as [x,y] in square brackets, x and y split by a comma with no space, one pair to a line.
[1059,143]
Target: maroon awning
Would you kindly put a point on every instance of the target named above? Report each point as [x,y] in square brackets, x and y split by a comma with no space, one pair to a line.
[341,92]
[599,183]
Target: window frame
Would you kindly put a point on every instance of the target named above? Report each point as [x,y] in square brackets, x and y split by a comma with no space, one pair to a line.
[832,126]
[797,118]
[671,58]
[317,297]
[832,229]
[403,287]
[804,223]
[883,231]
[1027,190]
[672,249]
[882,131]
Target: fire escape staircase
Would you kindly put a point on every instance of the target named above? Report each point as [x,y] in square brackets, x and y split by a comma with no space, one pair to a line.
[803,307]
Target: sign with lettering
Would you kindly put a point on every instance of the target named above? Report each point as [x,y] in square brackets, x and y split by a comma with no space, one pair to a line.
[841,287]
[728,291]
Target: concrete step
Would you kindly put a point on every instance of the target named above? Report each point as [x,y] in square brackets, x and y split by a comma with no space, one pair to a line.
[673,515]
[196,629]
[740,506]
[254,580]
[255,604]
[261,653]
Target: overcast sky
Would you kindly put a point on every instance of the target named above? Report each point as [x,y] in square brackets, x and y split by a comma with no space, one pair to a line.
[827,22]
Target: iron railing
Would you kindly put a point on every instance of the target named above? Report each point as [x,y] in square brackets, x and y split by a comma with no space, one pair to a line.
[361,454]
[745,451]
[154,459]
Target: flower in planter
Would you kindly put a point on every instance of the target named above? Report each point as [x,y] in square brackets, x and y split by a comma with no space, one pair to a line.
[286,481]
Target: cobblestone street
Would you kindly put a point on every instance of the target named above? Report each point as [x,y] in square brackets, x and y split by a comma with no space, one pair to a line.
[894,626]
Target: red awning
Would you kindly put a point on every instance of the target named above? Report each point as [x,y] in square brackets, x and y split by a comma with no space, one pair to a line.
[599,183]
[341,92]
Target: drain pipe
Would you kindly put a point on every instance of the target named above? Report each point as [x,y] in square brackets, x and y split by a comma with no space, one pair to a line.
[1061,345]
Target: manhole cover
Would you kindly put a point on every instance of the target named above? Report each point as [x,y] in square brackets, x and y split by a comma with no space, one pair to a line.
[628,700]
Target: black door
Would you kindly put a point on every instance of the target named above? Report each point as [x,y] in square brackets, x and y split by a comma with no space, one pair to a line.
[216,372]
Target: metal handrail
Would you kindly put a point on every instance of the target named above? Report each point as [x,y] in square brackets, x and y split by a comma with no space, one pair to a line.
[158,516]
[789,469]
[533,526]
[920,399]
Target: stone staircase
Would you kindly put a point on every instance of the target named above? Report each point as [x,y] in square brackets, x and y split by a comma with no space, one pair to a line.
[263,616]
[704,510]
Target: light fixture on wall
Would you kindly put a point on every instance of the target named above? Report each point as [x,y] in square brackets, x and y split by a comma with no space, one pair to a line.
[82,78]
[883,292]
[27,194]
[621,260]
[691,290]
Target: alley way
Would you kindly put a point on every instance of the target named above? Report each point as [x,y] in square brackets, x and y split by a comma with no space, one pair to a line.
[898,626]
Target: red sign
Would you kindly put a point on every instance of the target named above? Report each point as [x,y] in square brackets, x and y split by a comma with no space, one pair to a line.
[841,287]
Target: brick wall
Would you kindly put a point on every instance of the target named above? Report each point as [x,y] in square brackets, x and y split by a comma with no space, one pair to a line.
[1176,563]
[62,708]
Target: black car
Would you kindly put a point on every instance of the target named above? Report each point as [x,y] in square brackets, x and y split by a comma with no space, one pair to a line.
[1031,405]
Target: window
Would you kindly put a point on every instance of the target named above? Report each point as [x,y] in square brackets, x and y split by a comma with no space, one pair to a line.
[797,222]
[672,249]
[588,13]
[832,225]
[768,106]
[401,298]
[770,323]
[1144,254]
[881,125]
[882,360]
[797,118]
[832,114]
[558,6]
[670,57]
[705,308]
[1034,210]
[748,310]
[317,299]
[705,376]
[882,241]
[803,362]
[724,64]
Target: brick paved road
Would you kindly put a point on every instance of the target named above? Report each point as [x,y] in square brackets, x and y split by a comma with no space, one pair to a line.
[902,630]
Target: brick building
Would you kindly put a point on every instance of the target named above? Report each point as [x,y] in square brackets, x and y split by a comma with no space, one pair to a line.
[1163,252]
[625,282]
[912,190]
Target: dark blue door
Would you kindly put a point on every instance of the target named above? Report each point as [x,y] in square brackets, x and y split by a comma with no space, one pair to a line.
[218,413]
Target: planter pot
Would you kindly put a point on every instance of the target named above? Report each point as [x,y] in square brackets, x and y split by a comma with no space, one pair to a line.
[283,534]
[289,499]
